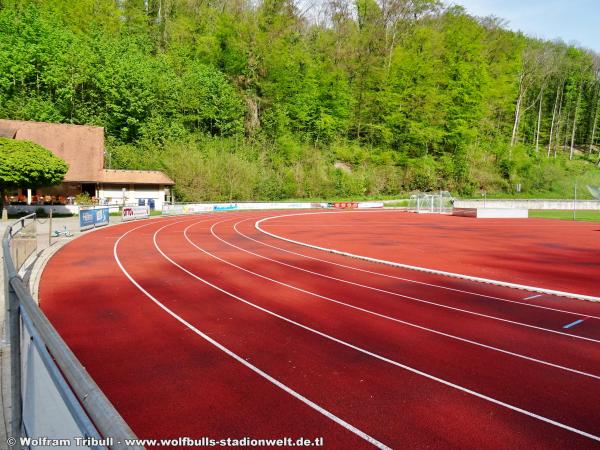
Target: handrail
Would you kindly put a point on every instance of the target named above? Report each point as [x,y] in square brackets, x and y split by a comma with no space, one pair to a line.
[21,221]
[102,413]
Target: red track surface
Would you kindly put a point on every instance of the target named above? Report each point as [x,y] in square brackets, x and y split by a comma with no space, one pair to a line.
[325,345]
[552,254]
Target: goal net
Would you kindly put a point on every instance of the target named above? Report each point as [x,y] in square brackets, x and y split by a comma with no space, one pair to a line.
[431,202]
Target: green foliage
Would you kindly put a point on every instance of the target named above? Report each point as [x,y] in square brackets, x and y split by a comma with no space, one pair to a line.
[253,100]
[26,164]
[83,199]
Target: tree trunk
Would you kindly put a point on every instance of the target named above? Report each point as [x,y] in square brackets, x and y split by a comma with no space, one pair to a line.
[575,121]
[558,92]
[537,134]
[595,120]
[517,116]
[390,53]
[567,120]
[559,123]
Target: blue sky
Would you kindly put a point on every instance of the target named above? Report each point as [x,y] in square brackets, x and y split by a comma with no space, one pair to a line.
[573,21]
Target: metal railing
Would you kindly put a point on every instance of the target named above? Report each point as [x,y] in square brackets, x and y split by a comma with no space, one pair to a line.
[52,394]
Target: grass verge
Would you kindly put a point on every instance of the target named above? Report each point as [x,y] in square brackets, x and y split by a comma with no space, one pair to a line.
[581,215]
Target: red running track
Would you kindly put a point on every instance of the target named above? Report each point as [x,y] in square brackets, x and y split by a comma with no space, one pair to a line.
[551,254]
[204,326]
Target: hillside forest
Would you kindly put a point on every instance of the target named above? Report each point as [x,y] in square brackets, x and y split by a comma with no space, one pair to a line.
[278,99]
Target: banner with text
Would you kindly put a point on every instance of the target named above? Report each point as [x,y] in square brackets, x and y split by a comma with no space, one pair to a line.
[195,208]
[93,217]
[135,212]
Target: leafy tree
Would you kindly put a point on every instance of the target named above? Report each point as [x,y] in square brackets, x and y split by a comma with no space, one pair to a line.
[407,94]
[26,164]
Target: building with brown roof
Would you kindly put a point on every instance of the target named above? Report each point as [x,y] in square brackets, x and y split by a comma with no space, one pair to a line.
[82,147]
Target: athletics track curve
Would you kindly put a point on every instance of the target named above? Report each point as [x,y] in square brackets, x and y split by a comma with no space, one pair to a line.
[205,327]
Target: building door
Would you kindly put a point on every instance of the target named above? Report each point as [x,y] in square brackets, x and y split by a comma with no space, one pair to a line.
[89,188]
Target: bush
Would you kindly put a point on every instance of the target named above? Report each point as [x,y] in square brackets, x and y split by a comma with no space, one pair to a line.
[83,199]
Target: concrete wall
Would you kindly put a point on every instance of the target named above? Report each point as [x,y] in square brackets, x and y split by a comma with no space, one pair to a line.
[529,204]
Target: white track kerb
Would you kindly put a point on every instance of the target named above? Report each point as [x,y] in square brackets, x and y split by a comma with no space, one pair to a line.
[396,277]
[417,268]
[367,311]
[420,300]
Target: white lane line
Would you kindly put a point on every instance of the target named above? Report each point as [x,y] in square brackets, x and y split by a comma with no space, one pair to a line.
[532,305]
[440,305]
[235,356]
[534,296]
[417,268]
[377,356]
[383,316]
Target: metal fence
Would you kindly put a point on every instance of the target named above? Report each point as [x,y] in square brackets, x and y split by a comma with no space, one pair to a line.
[52,395]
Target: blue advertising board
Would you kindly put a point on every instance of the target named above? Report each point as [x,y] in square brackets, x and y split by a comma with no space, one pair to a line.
[101,217]
[91,218]
[86,219]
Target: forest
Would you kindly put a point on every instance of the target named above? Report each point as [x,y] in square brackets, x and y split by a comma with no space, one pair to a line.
[279,99]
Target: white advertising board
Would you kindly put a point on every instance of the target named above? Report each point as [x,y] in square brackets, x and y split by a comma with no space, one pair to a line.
[135,212]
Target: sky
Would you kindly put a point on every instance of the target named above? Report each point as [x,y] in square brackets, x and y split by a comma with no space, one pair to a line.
[573,21]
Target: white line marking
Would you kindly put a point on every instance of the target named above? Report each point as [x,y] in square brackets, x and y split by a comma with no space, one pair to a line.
[383,316]
[532,305]
[417,268]
[440,305]
[235,356]
[367,352]
[534,296]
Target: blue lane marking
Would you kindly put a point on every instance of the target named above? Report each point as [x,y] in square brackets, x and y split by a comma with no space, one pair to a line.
[577,322]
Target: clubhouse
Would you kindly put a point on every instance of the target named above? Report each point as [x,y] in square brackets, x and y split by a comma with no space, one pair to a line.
[82,147]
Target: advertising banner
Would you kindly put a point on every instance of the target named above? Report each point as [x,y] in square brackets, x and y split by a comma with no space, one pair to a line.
[101,217]
[172,210]
[86,219]
[92,218]
[195,208]
[225,207]
[135,212]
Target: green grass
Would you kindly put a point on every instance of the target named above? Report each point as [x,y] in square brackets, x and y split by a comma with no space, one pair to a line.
[582,215]
[399,203]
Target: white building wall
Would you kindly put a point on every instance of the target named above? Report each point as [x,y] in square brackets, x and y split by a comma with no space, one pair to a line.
[115,195]
[529,204]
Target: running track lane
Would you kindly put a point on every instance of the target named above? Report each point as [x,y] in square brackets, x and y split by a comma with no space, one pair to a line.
[446,358]
[553,254]
[400,407]
[435,302]
[163,379]
[448,287]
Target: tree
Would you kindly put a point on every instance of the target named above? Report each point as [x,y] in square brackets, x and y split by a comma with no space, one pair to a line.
[396,87]
[27,164]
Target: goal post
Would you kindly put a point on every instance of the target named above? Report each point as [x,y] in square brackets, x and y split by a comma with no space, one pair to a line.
[431,202]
